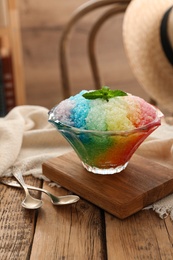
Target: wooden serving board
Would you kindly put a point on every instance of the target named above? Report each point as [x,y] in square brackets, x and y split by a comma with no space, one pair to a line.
[140,184]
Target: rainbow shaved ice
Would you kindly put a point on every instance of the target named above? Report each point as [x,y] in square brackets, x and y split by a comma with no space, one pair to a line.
[117,114]
[105,130]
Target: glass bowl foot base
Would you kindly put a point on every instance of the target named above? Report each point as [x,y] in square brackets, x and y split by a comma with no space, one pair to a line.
[111,170]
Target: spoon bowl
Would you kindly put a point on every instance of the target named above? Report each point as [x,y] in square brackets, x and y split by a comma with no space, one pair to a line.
[29,202]
[64,200]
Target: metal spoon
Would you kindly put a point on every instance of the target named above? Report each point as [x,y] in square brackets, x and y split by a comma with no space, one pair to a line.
[60,200]
[29,202]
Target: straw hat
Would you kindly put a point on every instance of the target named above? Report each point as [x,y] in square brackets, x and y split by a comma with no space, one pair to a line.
[148,41]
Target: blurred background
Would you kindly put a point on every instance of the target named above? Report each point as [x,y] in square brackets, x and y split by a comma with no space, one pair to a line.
[41,24]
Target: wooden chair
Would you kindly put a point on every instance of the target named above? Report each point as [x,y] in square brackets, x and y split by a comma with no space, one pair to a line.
[116,7]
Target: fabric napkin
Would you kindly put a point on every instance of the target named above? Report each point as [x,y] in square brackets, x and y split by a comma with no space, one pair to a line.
[27,139]
[159,148]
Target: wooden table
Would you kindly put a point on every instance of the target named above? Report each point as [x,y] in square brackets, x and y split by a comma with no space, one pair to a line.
[78,231]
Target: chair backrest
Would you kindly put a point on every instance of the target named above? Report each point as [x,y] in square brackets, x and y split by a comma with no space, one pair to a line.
[116,7]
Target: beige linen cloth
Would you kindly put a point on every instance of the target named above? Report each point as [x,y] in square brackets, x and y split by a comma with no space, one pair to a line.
[27,139]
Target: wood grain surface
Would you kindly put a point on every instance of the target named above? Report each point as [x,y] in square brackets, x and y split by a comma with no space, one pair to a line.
[141,236]
[78,231]
[41,28]
[16,223]
[140,184]
[69,232]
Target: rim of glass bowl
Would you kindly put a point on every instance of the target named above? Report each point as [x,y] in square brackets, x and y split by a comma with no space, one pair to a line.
[155,122]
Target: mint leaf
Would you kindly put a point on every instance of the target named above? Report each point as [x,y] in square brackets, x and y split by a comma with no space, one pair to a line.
[105,93]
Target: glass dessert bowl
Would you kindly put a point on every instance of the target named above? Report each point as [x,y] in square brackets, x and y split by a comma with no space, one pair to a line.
[105,152]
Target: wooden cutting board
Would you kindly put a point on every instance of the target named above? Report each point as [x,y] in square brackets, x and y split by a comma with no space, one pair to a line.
[140,184]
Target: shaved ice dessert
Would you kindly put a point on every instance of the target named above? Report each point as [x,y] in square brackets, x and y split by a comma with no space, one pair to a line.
[105,127]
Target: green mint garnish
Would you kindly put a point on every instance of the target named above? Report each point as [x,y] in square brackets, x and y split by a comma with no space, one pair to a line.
[105,93]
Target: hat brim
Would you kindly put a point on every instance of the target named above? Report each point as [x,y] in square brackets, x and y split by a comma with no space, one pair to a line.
[141,36]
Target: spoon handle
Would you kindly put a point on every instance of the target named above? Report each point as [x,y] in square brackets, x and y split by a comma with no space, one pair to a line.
[55,200]
[20,179]
[17,185]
